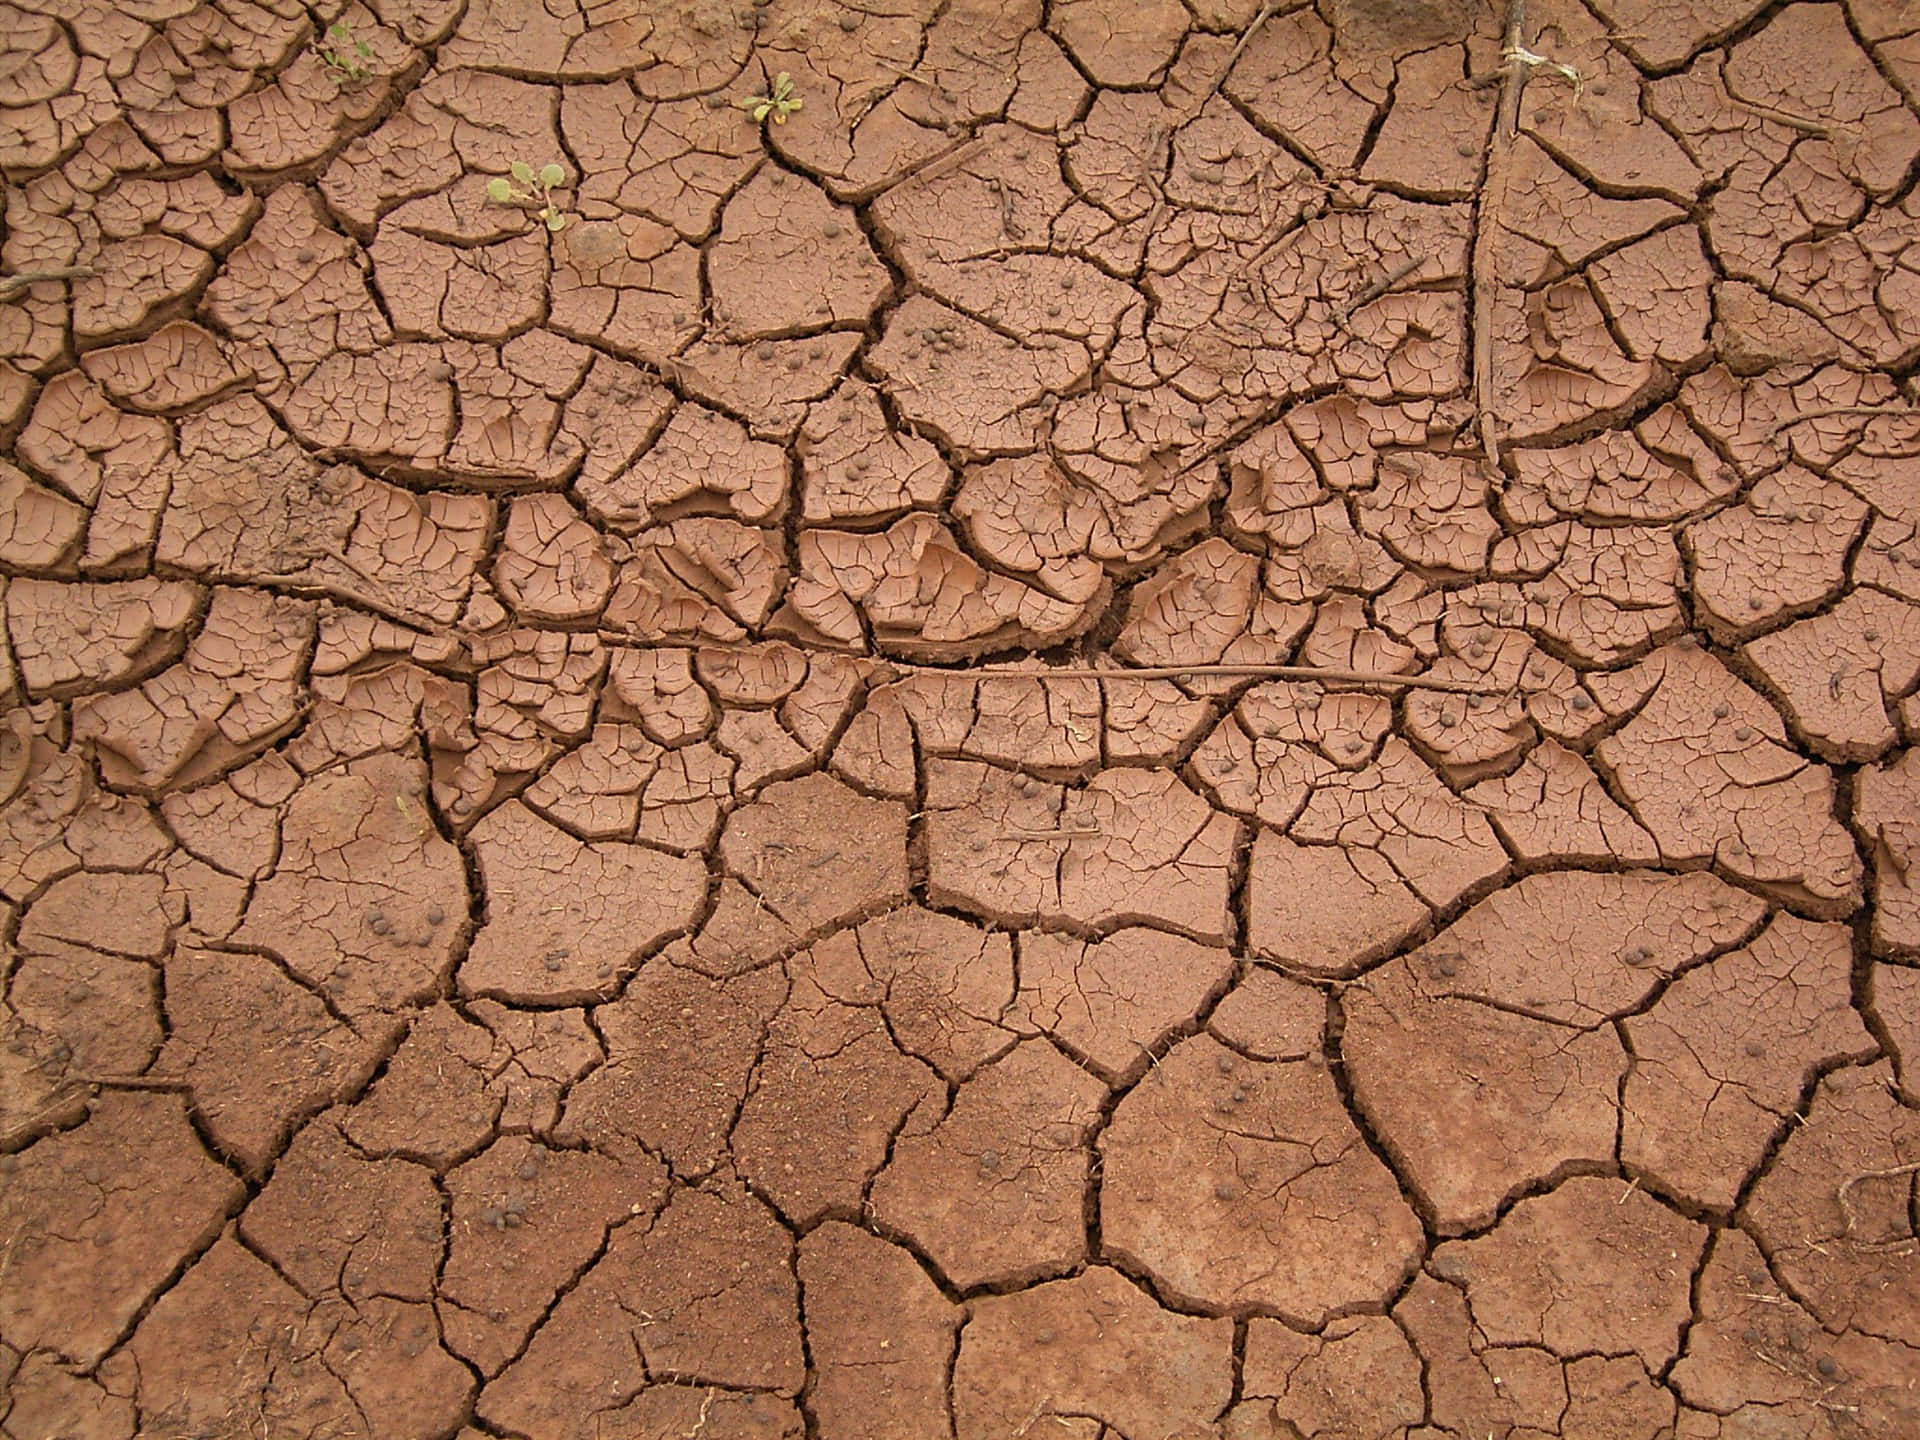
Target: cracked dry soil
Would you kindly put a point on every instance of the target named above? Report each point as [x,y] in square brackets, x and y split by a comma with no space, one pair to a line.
[736,821]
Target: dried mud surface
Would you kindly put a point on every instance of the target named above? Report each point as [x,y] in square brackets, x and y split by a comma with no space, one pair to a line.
[687,826]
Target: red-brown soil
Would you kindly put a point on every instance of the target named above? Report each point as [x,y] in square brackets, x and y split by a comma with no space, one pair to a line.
[1175,720]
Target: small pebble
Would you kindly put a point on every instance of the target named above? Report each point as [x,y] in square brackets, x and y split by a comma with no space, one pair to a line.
[306,254]
[1581,701]
[831,229]
[378,923]
[1722,711]
[529,1168]
[1755,1049]
[435,915]
[1224,1064]
[554,965]
[1638,956]
[1826,1366]
[1067,281]
[1743,733]
[1870,636]
[849,23]
[1223,1190]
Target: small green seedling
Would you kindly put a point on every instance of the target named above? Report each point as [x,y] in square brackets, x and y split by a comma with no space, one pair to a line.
[539,186]
[779,102]
[346,56]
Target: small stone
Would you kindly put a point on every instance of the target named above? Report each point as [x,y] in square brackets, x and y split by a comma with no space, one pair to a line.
[554,965]
[1581,700]
[831,229]
[1224,1064]
[849,23]
[1223,1190]
[378,923]
[1638,956]
[1722,711]
[435,915]
[1754,602]
[76,994]
[529,1168]
[1826,1366]
[1743,733]
[306,254]
[1870,636]
[1067,281]
[1755,1049]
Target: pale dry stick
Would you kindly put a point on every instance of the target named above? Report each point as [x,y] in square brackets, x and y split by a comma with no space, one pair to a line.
[1372,292]
[1493,192]
[10,285]
[1265,672]
[1239,49]
[1072,832]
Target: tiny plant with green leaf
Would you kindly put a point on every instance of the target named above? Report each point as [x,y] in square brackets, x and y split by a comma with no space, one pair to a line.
[344,55]
[779,102]
[538,187]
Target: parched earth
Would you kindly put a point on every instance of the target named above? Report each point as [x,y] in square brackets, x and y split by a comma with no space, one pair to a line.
[1171,720]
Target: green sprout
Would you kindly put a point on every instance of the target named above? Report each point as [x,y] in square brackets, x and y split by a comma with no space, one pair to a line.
[539,186]
[779,102]
[344,55]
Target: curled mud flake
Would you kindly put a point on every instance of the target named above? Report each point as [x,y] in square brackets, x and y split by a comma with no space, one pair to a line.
[657,688]
[1753,1349]
[232,693]
[332,1219]
[1328,909]
[595,791]
[826,1067]
[1841,672]
[354,841]
[245,503]
[1659,472]
[1121,45]
[434,1102]
[501,1277]
[1299,1216]
[1896,999]
[70,639]
[1656,291]
[787,258]
[1358,1374]
[1096,1346]
[1554,808]
[1432,512]
[73,1013]
[258,1052]
[992,1190]
[1885,819]
[38,527]
[133,281]
[923,596]
[704,1293]
[793,846]
[680,1050]
[1722,1058]
[589,907]
[701,463]
[119,914]
[1271,1018]
[1584,1268]
[1785,546]
[178,365]
[553,565]
[396,407]
[1115,1000]
[985,393]
[855,466]
[106,1211]
[1286,77]
[234,1336]
[880,1334]
[1433,137]
[1490,1101]
[1209,606]
[1835,1209]
[1751,804]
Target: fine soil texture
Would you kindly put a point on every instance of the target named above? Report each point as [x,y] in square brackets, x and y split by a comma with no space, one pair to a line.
[960,720]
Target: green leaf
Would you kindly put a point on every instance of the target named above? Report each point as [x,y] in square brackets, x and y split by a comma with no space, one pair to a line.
[555,220]
[363,47]
[551,175]
[523,172]
[339,30]
[499,191]
[794,104]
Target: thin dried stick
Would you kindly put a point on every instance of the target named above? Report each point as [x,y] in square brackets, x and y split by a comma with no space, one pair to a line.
[1325,674]
[10,285]
[1239,49]
[1492,200]
[1831,410]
